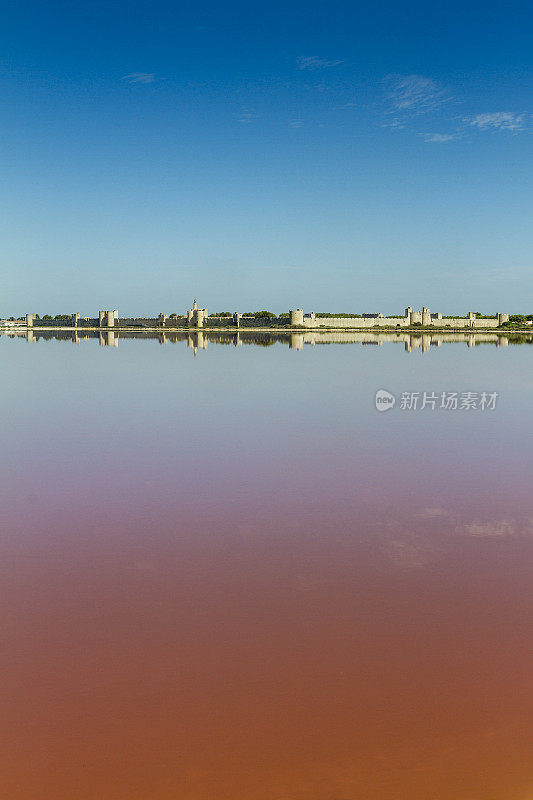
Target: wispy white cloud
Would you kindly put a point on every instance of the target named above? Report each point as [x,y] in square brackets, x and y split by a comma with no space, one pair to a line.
[246,117]
[415,94]
[315,63]
[411,96]
[499,120]
[439,138]
[139,77]
[496,528]
[433,512]
[488,529]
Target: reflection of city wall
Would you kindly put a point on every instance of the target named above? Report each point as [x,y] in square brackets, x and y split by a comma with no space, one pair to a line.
[198,340]
[409,340]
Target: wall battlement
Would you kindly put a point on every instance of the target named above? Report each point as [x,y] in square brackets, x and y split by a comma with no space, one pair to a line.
[199,318]
[424,318]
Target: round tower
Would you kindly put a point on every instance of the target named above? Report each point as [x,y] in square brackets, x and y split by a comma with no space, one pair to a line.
[297,317]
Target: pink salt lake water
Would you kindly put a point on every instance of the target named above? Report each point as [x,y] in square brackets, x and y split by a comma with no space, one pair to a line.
[229,577]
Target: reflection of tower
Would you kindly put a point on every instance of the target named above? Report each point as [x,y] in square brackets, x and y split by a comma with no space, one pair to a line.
[296,342]
[108,339]
[197,341]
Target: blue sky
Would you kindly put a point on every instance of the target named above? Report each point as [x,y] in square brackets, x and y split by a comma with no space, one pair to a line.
[333,156]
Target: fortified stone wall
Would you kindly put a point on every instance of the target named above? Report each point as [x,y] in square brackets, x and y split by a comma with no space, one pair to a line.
[423,318]
[310,321]
[139,322]
[199,318]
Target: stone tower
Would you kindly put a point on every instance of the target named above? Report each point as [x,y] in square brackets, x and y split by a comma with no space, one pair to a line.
[297,317]
[197,316]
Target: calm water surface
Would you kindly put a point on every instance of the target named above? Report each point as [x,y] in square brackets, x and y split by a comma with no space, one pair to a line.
[229,577]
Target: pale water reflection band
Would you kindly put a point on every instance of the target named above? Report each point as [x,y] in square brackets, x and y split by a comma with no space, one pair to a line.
[199,340]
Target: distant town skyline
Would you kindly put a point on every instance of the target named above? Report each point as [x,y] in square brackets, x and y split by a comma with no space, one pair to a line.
[331,156]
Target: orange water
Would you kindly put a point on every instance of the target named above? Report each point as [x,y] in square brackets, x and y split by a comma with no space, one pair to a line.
[302,600]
